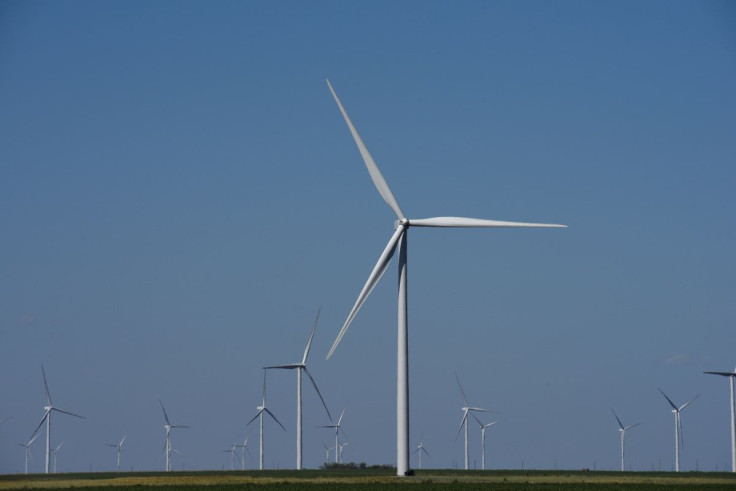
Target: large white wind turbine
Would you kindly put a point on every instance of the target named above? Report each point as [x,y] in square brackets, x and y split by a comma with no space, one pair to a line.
[168,426]
[623,430]
[338,428]
[119,447]
[399,240]
[678,426]
[731,376]
[299,367]
[47,417]
[464,421]
[263,409]
[483,428]
[28,450]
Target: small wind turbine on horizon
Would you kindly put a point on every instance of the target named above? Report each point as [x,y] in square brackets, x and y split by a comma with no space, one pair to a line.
[623,430]
[342,445]
[421,450]
[55,452]
[399,240]
[327,452]
[244,446]
[28,450]
[464,421]
[299,367]
[483,428]
[263,409]
[167,446]
[678,426]
[47,417]
[232,451]
[338,428]
[731,376]
[119,447]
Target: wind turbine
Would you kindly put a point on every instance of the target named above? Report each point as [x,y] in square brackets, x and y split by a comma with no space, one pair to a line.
[483,428]
[420,449]
[232,451]
[47,417]
[466,410]
[623,429]
[263,409]
[168,426]
[327,452]
[731,376]
[678,426]
[244,446]
[342,445]
[299,367]
[338,428]
[56,451]
[28,450]
[119,446]
[399,240]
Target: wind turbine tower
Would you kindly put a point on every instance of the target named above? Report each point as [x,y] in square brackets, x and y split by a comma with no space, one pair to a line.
[263,409]
[464,421]
[399,241]
[119,447]
[731,376]
[483,428]
[168,427]
[299,367]
[623,430]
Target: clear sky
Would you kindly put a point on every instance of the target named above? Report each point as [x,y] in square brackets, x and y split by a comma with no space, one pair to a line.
[179,195]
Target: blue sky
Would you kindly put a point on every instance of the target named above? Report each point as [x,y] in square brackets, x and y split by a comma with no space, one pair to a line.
[180,194]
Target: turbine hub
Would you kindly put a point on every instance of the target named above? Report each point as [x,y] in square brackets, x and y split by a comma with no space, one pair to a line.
[402,221]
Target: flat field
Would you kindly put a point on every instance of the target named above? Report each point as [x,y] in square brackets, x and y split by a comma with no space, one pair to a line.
[384,480]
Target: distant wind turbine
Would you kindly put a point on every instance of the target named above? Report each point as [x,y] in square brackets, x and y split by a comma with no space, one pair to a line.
[232,451]
[55,452]
[299,367]
[338,428]
[244,446]
[47,417]
[483,428]
[421,450]
[464,421]
[28,450]
[623,430]
[731,376]
[327,452]
[343,445]
[168,427]
[399,240]
[119,447]
[263,409]
[678,426]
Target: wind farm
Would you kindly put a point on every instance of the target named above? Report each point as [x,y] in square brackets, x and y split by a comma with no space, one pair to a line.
[188,203]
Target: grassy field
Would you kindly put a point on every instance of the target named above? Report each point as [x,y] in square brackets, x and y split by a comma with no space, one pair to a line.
[369,480]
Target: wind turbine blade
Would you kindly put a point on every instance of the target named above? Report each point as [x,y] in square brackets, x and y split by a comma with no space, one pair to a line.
[617,419]
[462,422]
[370,164]
[46,386]
[59,447]
[689,402]
[111,445]
[274,418]
[166,416]
[373,279]
[46,415]
[632,426]
[456,222]
[462,392]
[668,400]
[425,451]
[67,412]
[264,388]
[311,336]
[479,409]
[477,420]
[34,438]
[682,437]
[341,415]
[123,440]
[179,426]
[314,384]
[344,435]
[491,424]
[288,367]
[254,417]
[725,374]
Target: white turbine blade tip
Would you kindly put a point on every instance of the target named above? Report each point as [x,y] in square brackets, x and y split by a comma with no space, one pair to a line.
[476,222]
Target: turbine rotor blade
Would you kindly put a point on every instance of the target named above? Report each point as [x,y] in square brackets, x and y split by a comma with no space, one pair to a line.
[341,415]
[274,418]
[67,412]
[376,176]
[632,426]
[373,279]
[166,416]
[725,374]
[462,422]
[311,336]
[254,417]
[46,415]
[46,386]
[314,384]
[617,419]
[456,222]
[286,367]
[462,392]
[668,400]
[688,402]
